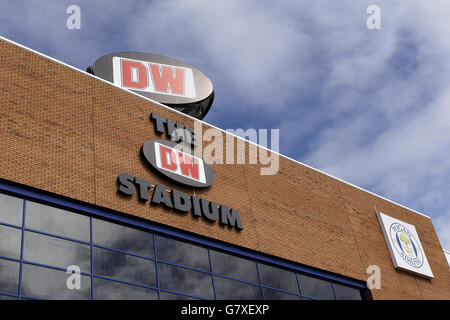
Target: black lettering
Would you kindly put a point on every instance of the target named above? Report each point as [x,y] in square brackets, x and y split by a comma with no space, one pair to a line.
[196,210]
[126,185]
[230,217]
[171,128]
[144,186]
[160,195]
[181,201]
[209,210]
[159,122]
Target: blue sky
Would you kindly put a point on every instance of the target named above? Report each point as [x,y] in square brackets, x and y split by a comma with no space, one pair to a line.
[371,107]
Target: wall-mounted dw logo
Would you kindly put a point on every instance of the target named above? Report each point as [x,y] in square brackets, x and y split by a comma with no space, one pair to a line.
[166,80]
[180,166]
[404,246]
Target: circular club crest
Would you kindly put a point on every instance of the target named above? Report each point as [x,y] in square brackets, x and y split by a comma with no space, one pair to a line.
[406,245]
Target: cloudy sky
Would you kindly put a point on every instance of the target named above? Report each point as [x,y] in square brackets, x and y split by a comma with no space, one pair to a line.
[371,107]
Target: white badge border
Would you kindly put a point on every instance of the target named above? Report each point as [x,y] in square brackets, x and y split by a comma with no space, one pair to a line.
[399,263]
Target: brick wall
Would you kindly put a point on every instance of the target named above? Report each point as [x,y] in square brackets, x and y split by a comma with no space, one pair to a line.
[65,132]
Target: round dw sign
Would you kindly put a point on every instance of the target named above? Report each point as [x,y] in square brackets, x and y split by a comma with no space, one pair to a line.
[183,167]
[165,80]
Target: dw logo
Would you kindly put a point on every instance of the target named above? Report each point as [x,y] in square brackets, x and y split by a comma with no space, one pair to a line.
[179,162]
[178,165]
[153,77]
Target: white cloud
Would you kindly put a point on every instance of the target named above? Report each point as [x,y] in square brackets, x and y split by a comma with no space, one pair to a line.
[245,44]
[395,140]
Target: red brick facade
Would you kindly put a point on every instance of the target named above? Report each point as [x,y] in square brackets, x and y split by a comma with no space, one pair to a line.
[71,134]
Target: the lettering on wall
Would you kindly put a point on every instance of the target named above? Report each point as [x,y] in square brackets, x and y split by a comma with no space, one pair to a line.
[179,201]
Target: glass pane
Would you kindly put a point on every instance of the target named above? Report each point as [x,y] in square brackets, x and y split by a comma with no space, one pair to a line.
[56,252]
[270,294]
[111,290]
[10,239]
[123,238]
[316,288]
[7,298]
[57,221]
[235,290]
[185,281]
[124,267]
[182,253]
[346,293]
[9,276]
[48,283]
[278,278]
[11,210]
[171,296]
[234,267]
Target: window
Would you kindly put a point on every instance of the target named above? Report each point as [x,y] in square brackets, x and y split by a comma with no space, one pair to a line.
[56,252]
[112,290]
[47,283]
[124,267]
[137,260]
[119,237]
[278,278]
[270,294]
[227,289]
[9,276]
[234,267]
[185,281]
[316,288]
[346,293]
[57,221]
[182,253]
[10,242]
[11,210]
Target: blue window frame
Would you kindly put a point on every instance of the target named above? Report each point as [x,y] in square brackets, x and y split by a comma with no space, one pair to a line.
[187,266]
